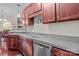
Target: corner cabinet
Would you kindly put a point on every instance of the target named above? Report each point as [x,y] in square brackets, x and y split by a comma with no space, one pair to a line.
[68,11]
[48,12]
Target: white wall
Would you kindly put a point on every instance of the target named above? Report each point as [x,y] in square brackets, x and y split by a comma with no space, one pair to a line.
[69,28]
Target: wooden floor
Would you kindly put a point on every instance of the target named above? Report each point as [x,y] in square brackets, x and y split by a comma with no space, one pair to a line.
[5,52]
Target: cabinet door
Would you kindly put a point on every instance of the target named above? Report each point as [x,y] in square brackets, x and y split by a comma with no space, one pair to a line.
[21,44]
[37,7]
[48,12]
[59,52]
[30,48]
[25,48]
[30,9]
[16,42]
[68,11]
[12,42]
[23,15]
[26,17]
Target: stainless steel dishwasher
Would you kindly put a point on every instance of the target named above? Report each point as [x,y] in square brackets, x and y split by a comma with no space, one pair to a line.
[41,49]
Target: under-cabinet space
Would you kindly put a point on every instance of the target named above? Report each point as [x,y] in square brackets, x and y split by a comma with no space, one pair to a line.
[31,21]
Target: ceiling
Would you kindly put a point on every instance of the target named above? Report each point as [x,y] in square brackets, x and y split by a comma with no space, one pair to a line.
[10,10]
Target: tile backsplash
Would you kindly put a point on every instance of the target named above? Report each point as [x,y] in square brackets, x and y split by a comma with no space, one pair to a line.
[69,28]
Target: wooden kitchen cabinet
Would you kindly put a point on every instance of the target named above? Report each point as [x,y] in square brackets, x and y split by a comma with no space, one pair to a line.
[12,41]
[34,7]
[68,11]
[45,10]
[60,52]
[20,44]
[37,10]
[30,48]
[26,46]
[30,9]
[26,17]
[37,7]
[48,12]
[23,15]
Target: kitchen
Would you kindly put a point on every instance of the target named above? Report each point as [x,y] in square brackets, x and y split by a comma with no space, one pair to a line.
[41,29]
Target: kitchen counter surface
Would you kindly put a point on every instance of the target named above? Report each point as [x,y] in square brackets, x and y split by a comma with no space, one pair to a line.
[69,43]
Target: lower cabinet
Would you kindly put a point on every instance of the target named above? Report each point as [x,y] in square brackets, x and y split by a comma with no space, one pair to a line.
[29,47]
[20,44]
[59,52]
[26,46]
[12,41]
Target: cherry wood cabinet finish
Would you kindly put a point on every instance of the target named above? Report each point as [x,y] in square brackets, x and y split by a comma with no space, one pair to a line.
[37,7]
[31,21]
[26,46]
[12,41]
[20,44]
[30,9]
[48,12]
[34,7]
[29,47]
[60,52]
[23,17]
[68,11]
[26,17]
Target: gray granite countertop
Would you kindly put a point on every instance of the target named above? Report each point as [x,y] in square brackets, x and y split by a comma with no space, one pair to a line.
[69,43]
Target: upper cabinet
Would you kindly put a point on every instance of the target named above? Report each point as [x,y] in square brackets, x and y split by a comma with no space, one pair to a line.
[51,12]
[48,12]
[34,7]
[37,7]
[68,11]
[30,9]
[26,17]
[23,16]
